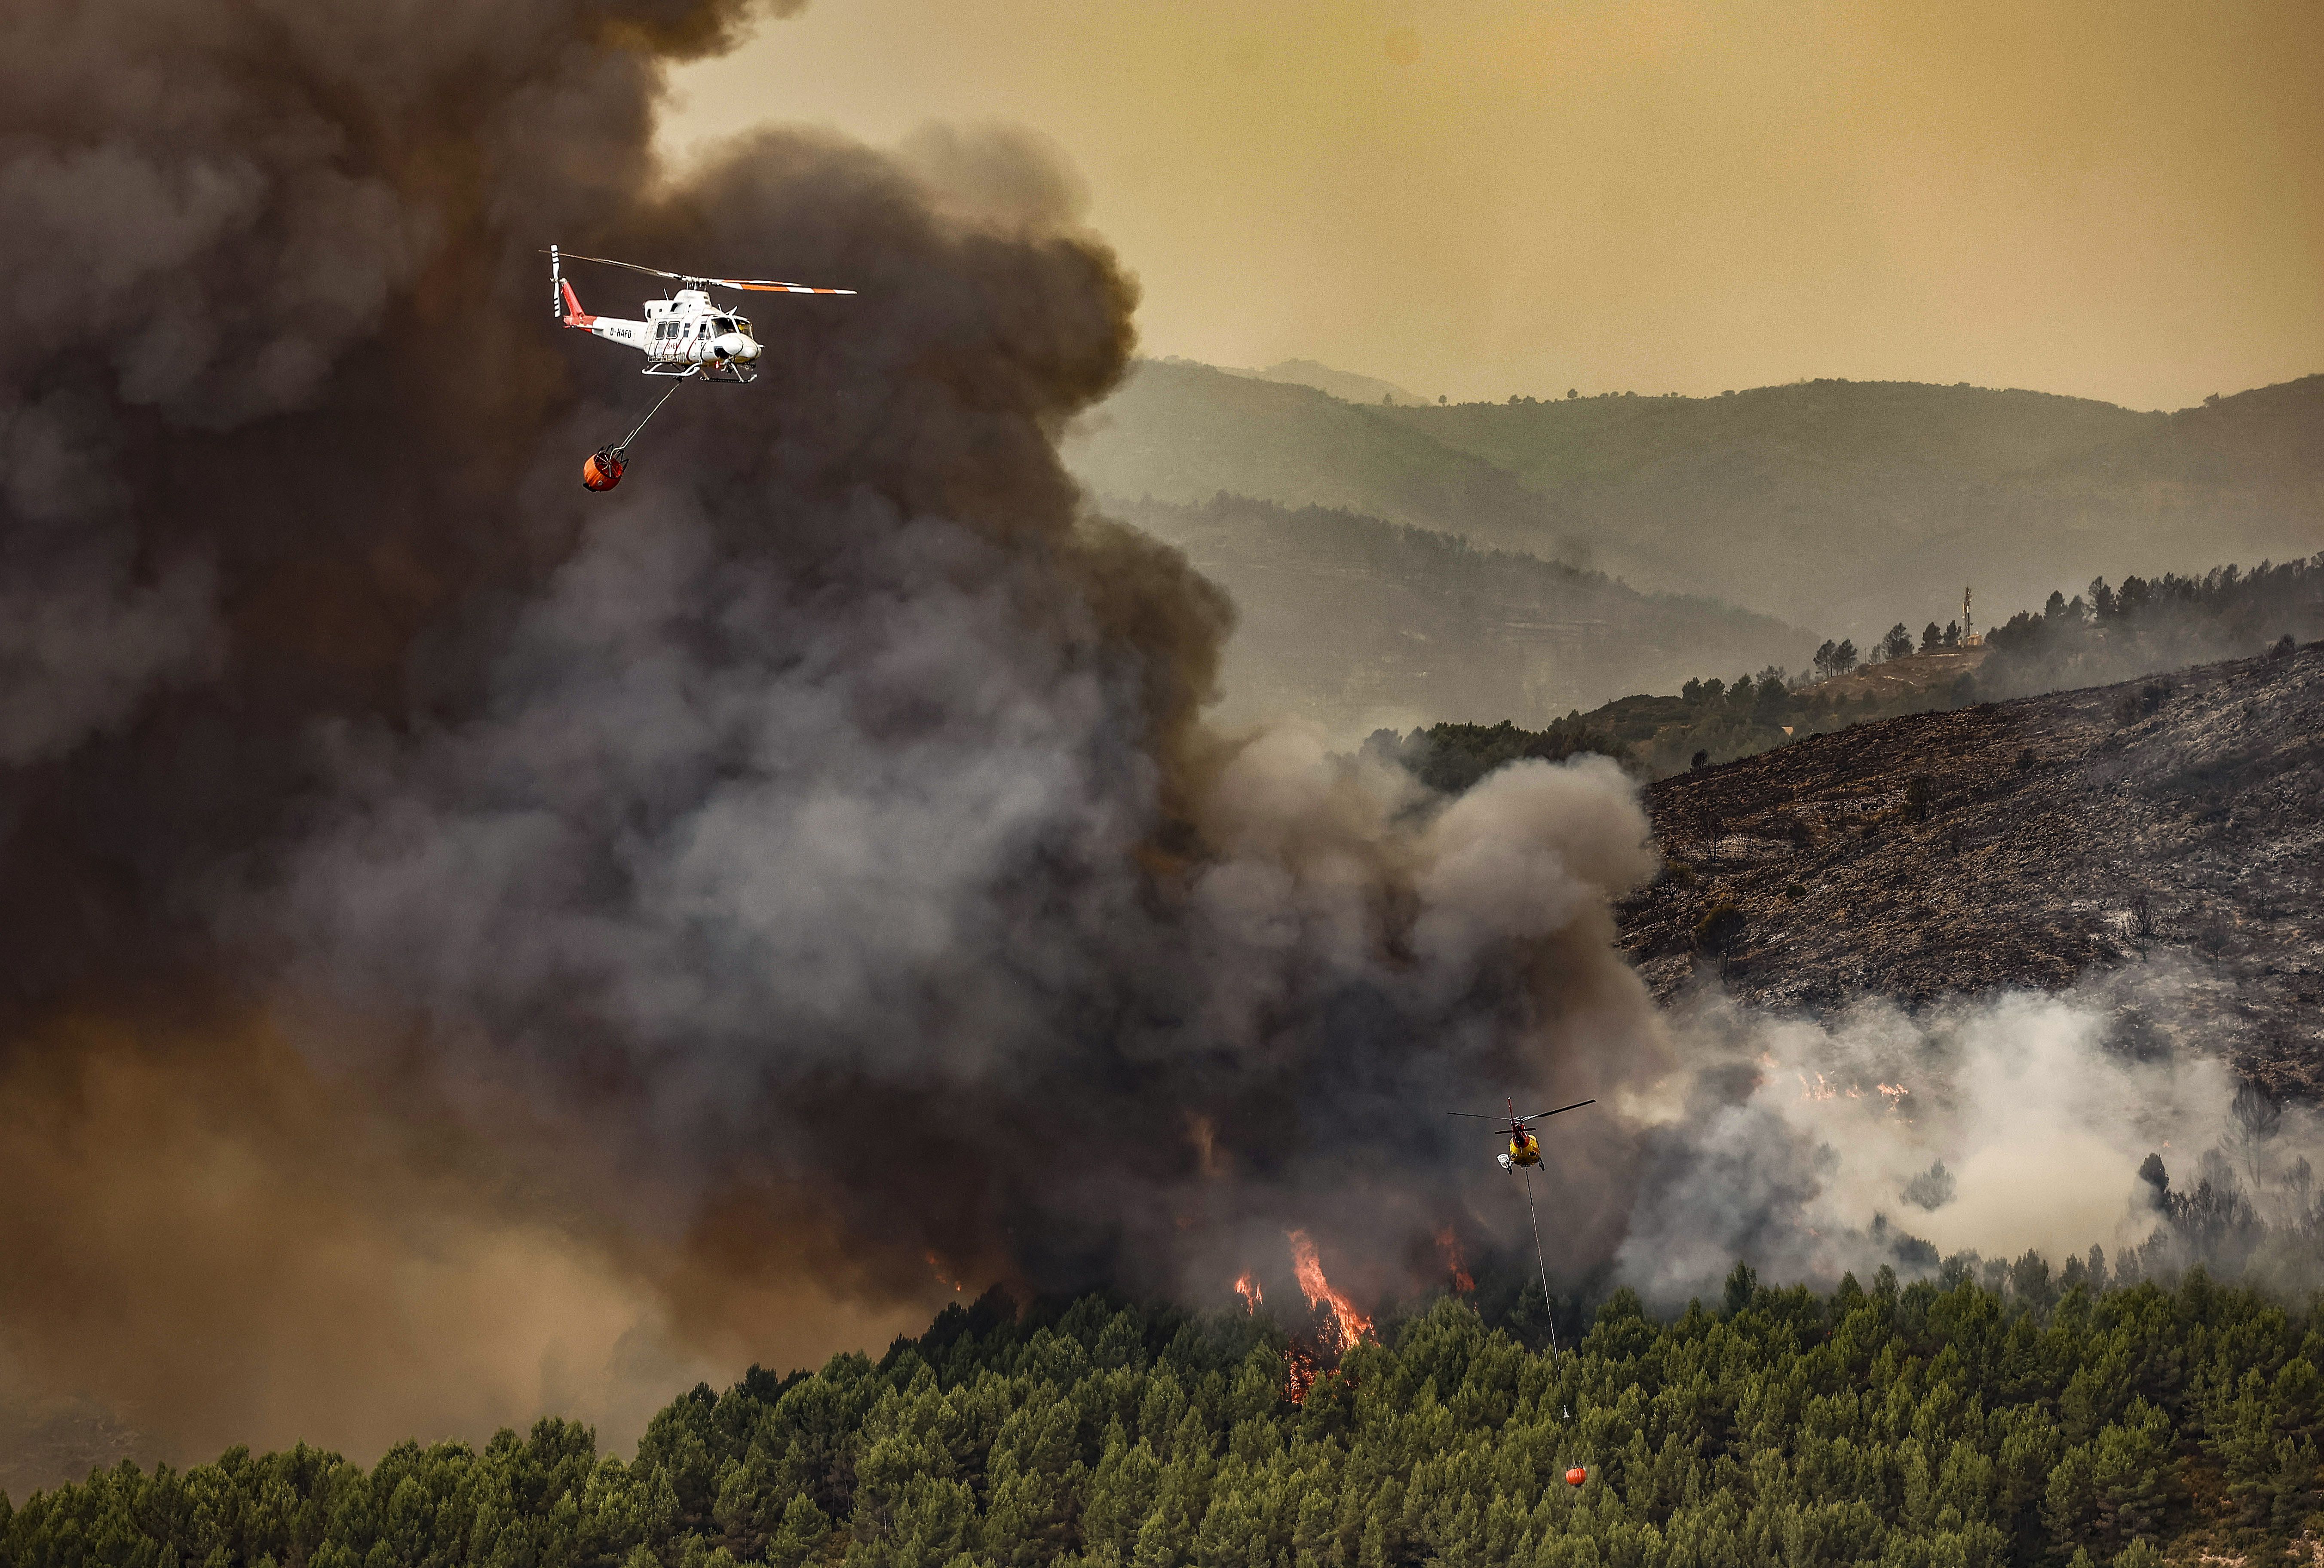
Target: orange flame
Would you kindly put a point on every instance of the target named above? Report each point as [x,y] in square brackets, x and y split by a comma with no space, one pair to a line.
[1252,1296]
[1299,1373]
[1348,1324]
[1448,1247]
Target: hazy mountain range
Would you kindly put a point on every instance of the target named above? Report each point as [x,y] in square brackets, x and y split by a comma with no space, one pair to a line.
[1841,507]
[1359,623]
[1344,385]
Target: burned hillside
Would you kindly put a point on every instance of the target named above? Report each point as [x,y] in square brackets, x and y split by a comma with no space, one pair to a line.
[2177,822]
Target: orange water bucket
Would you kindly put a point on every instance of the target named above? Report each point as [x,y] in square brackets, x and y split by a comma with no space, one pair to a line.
[602,471]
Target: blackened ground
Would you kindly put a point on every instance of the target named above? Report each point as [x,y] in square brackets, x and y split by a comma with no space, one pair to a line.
[2177,822]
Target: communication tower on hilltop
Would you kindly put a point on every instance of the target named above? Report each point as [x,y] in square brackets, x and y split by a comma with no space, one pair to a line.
[1969,639]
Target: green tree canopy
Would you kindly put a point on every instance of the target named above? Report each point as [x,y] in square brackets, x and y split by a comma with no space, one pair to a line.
[1994,1415]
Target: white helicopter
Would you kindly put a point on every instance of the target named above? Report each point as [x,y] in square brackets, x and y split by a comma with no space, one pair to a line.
[685,337]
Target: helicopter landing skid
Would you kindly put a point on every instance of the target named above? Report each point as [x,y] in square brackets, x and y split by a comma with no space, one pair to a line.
[729,373]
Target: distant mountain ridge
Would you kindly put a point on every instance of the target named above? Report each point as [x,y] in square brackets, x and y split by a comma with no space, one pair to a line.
[1344,385]
[1183,433]
[1842,505]
[1357,623]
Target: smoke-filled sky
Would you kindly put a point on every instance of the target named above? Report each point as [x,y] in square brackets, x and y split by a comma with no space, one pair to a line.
[1477,198]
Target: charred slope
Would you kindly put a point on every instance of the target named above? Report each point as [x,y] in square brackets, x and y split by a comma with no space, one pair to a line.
[2020,844]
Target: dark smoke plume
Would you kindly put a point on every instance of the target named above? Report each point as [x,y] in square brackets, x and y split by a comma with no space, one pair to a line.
[468,937]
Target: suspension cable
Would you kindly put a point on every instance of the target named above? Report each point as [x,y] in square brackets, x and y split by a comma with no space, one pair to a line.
[1539,1263]
[651,412]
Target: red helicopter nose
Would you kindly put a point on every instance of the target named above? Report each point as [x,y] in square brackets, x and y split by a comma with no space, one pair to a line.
[602,471]
[1576,1476]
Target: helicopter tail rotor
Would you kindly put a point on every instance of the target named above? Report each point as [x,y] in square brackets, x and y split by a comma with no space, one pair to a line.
[563,302]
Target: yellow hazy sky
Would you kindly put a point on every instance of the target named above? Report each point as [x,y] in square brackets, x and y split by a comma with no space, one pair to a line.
[1476,198]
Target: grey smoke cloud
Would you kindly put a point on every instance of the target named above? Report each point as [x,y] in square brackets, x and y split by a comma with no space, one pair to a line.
[795,866]
[80,640]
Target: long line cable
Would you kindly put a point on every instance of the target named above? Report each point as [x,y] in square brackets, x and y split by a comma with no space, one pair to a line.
[1540,1263]
[650,414]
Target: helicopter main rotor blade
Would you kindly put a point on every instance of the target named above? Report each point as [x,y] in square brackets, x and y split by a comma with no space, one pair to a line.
[761,285]
[632,266]
[767,286]
[1561,1111]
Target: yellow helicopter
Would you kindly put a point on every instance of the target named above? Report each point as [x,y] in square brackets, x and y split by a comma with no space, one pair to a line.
[1523,1157]
[1525,1149]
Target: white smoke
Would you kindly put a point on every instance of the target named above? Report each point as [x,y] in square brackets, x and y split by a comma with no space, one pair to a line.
[1810,1146]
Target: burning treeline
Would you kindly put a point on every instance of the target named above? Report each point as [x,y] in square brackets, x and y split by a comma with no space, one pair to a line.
[502,923]
[1339,1325]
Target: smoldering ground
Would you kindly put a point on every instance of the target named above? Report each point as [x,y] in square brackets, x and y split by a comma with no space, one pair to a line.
[1971,1133]
[476,948]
